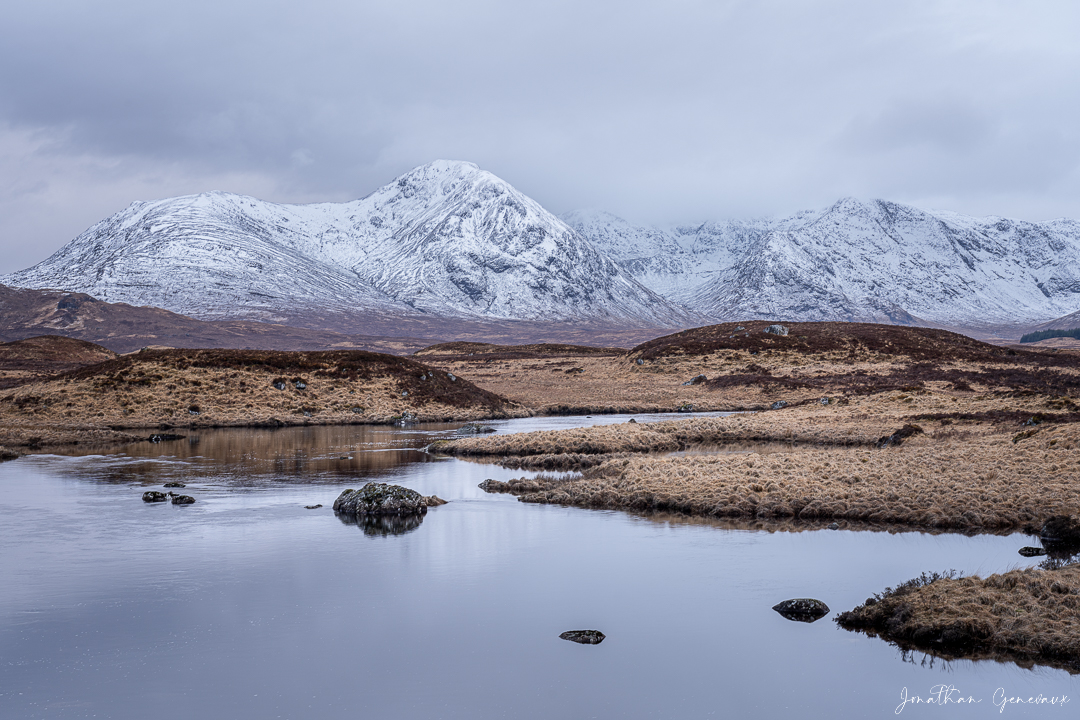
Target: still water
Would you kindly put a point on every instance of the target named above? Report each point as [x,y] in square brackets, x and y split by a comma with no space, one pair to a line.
[248,605]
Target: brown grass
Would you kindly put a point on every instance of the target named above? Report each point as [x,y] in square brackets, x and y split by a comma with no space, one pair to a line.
[979,481]
[158,388]
[1029,616]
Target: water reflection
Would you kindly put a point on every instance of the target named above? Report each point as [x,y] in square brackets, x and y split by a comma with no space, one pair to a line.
[383,525]
[255,456]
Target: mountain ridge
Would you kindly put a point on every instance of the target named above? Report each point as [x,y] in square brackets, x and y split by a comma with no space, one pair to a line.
[449,240]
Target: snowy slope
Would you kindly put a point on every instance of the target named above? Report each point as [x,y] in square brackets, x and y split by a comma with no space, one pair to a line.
[876,261]
[446,239]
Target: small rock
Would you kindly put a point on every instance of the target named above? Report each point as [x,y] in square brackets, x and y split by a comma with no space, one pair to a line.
[301,385]
[313,507]
[307,413]
[279,384]
[685,408]
[696,380]
[802,609]
[739,328]
[575,371]
[175,484]
[494,486]
[357,410]
[824,401]
[834,526]
[404,393]
[193,412]
[1032,551]
[898,437]
[182,500]
[639,361]
[452,377]
[154,496]
[475,429]
[632,420]
[778,405]
[584,637]
[776,330]
[434,500]
[163,437]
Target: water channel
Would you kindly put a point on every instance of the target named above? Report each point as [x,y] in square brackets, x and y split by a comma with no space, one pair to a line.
[248,605]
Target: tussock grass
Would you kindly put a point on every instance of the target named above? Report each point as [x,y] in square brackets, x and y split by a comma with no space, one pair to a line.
[982,483]
[1029,616]
[157,388]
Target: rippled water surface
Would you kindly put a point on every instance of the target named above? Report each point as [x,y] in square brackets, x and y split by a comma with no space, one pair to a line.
[248,605]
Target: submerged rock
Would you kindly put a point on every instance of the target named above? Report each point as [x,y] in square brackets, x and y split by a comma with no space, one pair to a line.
[175,484]
[475,429]
[182,500]
[776,330]
[802,609]
[154,496]
[1031,551]
[313,507]
[584,637]
[380,499]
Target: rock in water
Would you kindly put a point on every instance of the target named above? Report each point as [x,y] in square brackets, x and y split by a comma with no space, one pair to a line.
[182,500]
[475,429]
[434,500]
[1032,551]
[1061,530]
[154,496]
[776,330]
[802,609]
[585,637]
[380,499]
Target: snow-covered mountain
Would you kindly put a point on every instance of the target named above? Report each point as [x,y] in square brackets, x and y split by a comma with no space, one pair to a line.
[445,239]
[448,240]
[871,261]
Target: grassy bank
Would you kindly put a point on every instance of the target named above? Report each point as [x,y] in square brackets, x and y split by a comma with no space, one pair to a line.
[1026,616]
[153,389]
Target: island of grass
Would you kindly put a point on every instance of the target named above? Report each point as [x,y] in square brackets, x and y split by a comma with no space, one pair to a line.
[1027,616]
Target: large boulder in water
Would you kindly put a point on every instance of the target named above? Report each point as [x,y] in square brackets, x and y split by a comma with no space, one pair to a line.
[381,499]
[802,609]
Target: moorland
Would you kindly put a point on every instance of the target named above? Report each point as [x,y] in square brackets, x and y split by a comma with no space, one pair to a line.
[841,425]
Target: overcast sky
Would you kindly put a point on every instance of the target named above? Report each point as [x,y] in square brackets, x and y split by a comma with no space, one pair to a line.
[661,112]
